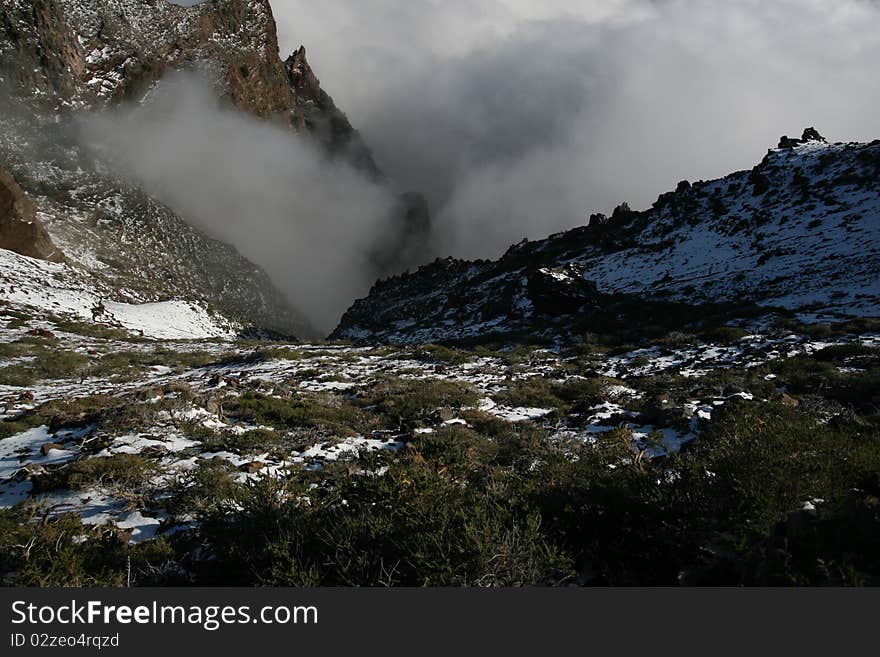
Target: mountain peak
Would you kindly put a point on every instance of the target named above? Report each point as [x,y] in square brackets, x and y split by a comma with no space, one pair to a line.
[798,233]
[302,79]
[809,135]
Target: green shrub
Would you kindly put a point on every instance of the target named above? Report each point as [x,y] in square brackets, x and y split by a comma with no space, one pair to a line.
[413,526]
[540,392]
[330,413]
[405,401]
[432,353]
[724,334]
[209,486]
[124,471]
[51,553]
[534,392]
[255,440]
[45,364]
[841,352]
[90,330]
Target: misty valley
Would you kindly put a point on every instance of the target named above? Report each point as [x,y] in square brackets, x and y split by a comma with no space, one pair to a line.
[248,338]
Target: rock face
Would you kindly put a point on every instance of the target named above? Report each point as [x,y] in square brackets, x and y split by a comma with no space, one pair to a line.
[73,54]
[20,231]
[810,134]
[315,112]
[61,57]
[122,243]
[801,232]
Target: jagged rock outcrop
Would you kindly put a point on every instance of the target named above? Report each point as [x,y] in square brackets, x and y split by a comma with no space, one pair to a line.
[72,54]
[61,57]
[810,134]
[800,232]
[20,230]
[315,112]
[563,291]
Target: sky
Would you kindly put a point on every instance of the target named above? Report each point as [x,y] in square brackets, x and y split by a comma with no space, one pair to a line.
[518,118]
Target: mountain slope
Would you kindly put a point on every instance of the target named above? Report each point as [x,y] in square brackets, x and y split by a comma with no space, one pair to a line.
[801,231]
[20,230]
[61,58]
[122,243]
[76,54]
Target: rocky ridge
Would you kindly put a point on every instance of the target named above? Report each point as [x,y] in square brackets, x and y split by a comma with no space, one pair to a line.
[120,242]
[799,232]
[59,58]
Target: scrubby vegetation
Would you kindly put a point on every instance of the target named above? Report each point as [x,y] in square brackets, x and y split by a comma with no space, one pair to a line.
[53,553]
[121,471]
[41,359]
[461,507]
[407,475]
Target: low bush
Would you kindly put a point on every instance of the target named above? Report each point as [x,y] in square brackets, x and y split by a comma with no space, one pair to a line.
[330,413]
[411,402]
[51,553]
[124,471]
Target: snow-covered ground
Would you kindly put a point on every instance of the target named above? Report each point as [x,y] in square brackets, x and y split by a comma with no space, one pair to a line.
[187,407]
[45,288]
[800,232]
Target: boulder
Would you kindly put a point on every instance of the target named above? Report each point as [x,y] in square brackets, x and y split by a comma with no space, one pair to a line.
[810,134]
[42,333]
[48,447]
[154,451]
[20,230]
[252,468]
[788,400]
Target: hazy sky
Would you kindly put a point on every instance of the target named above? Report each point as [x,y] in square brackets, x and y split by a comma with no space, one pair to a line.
[520,118]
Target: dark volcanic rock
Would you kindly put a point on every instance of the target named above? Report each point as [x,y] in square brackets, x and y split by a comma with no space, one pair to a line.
[561,292]
[810,134]
[315,112]
[800,231]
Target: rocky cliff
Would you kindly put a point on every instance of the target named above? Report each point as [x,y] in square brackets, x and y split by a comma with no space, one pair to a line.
[59,58]
[73,54]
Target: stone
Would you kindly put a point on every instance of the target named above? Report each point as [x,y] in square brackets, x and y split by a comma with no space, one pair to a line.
[42,333]
[48,447]
[28,471]
[788,400]
[20,230]
[811,134]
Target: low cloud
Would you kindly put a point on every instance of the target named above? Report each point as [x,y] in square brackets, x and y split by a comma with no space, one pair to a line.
[518,118]
[310,222]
